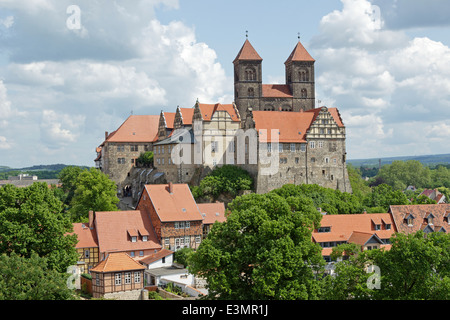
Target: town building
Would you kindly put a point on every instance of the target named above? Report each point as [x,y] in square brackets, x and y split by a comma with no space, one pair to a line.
[425,217]
[434,194]
[369,230]
[263,117]
[118,276]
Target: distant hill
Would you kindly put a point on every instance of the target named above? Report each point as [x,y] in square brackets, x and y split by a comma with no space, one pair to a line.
[427,160]
[41,171]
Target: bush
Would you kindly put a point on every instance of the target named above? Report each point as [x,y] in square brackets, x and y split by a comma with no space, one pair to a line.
[153,295]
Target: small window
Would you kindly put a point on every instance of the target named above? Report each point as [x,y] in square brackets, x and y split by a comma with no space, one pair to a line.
[86,254]
[297,160]
[198,239]
[303,147]
[312,144]
[127,277]
[388,226]
[133,239]
[137,277]
[118,279]
[292,147]
[141,253]
[144,238]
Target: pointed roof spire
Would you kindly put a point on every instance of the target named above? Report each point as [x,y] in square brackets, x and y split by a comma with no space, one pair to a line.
[247,52]
[299,53]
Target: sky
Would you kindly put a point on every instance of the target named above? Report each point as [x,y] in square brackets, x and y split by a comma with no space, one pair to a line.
[72,69]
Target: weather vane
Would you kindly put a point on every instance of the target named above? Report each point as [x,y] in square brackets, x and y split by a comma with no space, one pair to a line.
[298,36]
[246,33]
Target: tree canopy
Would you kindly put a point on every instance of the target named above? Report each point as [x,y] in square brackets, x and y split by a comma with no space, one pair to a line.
[32,221]
[93,191]
[263,250]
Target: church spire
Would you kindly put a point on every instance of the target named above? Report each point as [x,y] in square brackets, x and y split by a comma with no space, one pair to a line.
[299,53]
[247,52]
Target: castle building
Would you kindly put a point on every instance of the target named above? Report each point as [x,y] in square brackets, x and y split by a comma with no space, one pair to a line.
[279,122]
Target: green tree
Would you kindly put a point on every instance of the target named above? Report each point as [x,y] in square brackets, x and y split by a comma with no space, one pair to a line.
[31,279]
[183,255]
[227,179]
[384,196]
[400,174]
[360,187]
[31,221]
[145,158]
[94,191]
[263,250]
[68,178]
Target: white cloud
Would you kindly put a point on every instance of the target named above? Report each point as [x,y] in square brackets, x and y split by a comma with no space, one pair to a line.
[4,144]
[391,90]
[58,130]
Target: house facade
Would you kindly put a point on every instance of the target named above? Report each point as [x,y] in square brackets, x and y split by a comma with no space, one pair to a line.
[174,215]
[118,277]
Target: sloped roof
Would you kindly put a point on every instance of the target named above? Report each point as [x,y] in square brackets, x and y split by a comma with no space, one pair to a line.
[208,110]
[400,212]
[299,54]
[186,115]
[114,228]
[212,212]
[156,256]
[247,52]
[176,206]
[87,238]
[170,119]
[276,91]
[118,261]
[344,225]
[362,238]
[136,128]
[292,126]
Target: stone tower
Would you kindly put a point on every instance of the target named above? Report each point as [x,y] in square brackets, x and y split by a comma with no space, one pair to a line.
[297,94]
[300,78]
[247,78]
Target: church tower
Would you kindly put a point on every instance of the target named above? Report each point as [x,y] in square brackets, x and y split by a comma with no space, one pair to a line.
[300,78]
[247,79]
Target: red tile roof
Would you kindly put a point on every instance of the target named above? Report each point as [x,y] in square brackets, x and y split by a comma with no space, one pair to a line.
[208,110]
[212,212]
[299,54]
[156,256]
[176,206]
[354,228]
[118,261]
[419,212]
[186,114]
[136,128]
[292,126]
[114,228]
[170,118]
[87,238]
[276,91]
[247,52]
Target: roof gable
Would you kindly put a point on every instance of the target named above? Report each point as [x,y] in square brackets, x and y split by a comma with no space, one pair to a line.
[299,54]
[118,261]
[247,52]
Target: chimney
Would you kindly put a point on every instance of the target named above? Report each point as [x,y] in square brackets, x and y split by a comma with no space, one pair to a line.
[170,187]
[91,219]
[106,135]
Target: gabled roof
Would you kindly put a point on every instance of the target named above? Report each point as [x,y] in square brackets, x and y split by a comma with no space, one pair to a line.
[362,238]
[208,110]
[344,225]
[156,256]
[136,128]
[276,91]
[247,52]
[401,212]
[178,205]
[87,238]
[118,261]
[292,126]
[115,227]
[169,118]
[299,54]
[186,115]
[212,212]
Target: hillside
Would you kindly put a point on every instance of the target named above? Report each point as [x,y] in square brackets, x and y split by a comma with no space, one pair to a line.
[426,160]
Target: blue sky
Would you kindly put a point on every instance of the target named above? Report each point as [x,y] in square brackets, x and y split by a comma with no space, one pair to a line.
[384,64]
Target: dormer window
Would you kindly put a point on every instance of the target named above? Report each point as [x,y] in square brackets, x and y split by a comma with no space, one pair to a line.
[324,229]
[409,220]
[388,226]
[133,239]
[144,238]
[429,218]
[378,227]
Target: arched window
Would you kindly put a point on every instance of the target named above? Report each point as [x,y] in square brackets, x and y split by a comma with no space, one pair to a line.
[269,108]
[250,74]
[304,93]
[303,75]
[286,108]
[251,92]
